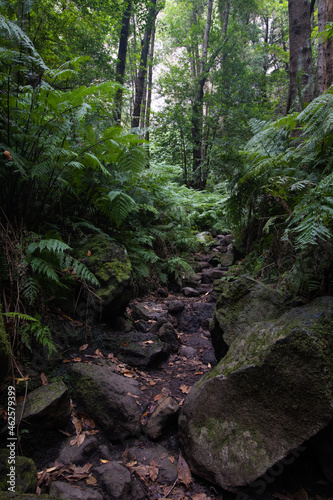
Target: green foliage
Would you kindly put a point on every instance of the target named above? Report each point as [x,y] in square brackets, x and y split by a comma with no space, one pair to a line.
[282,202]
[31,329]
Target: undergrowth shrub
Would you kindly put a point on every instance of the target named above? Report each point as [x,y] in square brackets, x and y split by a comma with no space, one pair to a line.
[281,206]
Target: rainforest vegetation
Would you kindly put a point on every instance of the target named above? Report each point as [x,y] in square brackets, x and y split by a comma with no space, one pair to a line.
[150,121]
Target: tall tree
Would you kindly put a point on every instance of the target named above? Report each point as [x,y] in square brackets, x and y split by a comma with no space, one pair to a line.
[301,77]
[122,55]
[325,50]
[142,73]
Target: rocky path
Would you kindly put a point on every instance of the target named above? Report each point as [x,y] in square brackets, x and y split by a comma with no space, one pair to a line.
[139,373]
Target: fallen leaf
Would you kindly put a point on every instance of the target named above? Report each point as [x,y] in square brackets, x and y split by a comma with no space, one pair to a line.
[65,433]
[200,496]
[43,379]
[198,373]
[77,424]
[88,253]
[77,360]
[98,353]
[185,389]
[209,365]
[148,342]
[91,481]
[162,457]
[87,422]
[131,464]
[143,388]
[7,154]
[104,461]
[153,471]
[66,360]
[83,347]
[84,469]
[132,395]
[152,382]
[157,397]
[184,473]
[172,459]
[51,469]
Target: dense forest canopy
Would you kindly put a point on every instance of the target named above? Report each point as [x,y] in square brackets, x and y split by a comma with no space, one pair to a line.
[148,121]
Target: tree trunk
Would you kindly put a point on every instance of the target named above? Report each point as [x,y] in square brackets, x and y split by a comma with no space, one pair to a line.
[197,107]
[300,62]
[140,80]
[325,50]
[122,54]
[150,86]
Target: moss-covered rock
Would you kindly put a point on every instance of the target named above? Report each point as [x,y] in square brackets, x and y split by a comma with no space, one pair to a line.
[17,474]
[46,407]
[5,349]
[112,267]
[270,393]
[108,398]
[241,303]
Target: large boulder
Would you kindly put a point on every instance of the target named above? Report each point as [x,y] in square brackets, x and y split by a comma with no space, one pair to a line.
[241,303]
[270,393]
[112,267]
[108,398]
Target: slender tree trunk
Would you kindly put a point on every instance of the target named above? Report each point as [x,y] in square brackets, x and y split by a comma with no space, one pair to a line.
[122,54]
[197,107]
[149,88]
[301,80]
[140,80]
[325,51]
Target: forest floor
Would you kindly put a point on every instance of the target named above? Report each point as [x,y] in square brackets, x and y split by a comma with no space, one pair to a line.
[145,458]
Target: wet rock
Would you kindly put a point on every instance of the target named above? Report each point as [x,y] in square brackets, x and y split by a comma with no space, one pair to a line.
[123,325]
[190,292]
[322,447]
[116,480]
[195,316]
[167,469]
[168,335]
[140,349]
[112,267]
[227,259]
[64,490]
[142,326]
[269,394]
[210,275]
[162,292]
[105,397]
[241,303]
[175,306]
[166,410]
[188,352]
[25,472]
[148,311]
[46,407]
[75,454]
[191,281]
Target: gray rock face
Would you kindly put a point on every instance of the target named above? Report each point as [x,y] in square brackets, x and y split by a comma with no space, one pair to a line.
[116,479]
[65,490]
[270,393]
[75,454]
[241,303]
[105,397]
[167,334]
[46,407]
[139,349]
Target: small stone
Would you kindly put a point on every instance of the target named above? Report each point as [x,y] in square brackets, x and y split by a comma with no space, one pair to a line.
[168,334]
[176,306]
[190,292]
[25,473]
[160,418]
[188,352]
